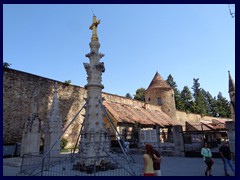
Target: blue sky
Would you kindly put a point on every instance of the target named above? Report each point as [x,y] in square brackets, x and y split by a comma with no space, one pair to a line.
[186,41]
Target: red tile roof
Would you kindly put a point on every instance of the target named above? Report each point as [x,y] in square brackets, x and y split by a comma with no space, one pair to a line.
[196,127]
[207,125]
[213,126]
[131,114]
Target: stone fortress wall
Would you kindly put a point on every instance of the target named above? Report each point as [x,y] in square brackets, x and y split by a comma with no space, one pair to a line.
[21,90]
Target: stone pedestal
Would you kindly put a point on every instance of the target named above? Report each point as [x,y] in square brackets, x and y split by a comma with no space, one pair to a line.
[230,126]
[31,137]
[178,140]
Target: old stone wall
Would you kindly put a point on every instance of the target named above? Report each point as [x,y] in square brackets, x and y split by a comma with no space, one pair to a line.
[182,117]
[18,91]
[21,90]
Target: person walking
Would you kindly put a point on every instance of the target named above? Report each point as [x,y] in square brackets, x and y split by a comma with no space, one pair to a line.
[157,163]
[226,155]
[207,158]
[126,146]
[148,161]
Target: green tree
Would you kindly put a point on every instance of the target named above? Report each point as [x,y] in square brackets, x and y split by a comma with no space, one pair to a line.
[63,143]
[200,105]
[177,96]
[196,87]
[6,65]
[222,107]
[178,100]
[171,82]
[214,108]
[128,95]
[140,94]
[209,102]
[187,100]
[67,83]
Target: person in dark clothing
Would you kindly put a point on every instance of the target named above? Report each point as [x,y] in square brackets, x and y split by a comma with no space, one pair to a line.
[157,163]
[226,155]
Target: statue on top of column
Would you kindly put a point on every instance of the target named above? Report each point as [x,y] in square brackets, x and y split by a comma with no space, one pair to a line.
[93,27]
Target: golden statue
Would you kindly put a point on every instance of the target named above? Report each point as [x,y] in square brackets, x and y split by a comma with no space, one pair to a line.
[93,27]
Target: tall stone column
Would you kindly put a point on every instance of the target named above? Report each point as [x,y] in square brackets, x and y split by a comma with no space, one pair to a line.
[94,136]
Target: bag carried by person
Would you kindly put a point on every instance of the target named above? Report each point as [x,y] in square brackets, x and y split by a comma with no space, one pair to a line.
[209,160]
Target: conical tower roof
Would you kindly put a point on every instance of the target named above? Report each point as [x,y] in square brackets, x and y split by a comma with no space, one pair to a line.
[231,86]
[158,82]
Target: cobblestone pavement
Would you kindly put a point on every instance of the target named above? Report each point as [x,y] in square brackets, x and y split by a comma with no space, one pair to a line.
[171,166]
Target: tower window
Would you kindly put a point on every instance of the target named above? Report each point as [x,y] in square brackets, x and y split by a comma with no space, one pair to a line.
[159,100]
[149,99]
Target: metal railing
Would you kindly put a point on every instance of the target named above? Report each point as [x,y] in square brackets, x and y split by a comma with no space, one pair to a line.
[48,164]
[116,165]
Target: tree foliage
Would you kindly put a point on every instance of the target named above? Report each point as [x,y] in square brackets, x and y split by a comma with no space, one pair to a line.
[222,106]
[177,95]
[128,95]
[171,82]
[196,88]
[6,65]
[186,99]
[67,82]
[209,103]
[140,94]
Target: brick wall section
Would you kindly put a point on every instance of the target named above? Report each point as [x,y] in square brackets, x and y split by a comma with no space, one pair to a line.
[20,87]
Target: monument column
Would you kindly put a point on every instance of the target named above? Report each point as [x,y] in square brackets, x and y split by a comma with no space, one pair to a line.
[94,143]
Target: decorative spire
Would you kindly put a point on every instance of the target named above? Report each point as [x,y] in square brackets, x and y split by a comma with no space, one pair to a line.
[93,27]
[94,144]
[231,87]
[53,125]
[231,91]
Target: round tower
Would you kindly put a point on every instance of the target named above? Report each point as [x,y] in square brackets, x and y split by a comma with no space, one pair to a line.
[160,93]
